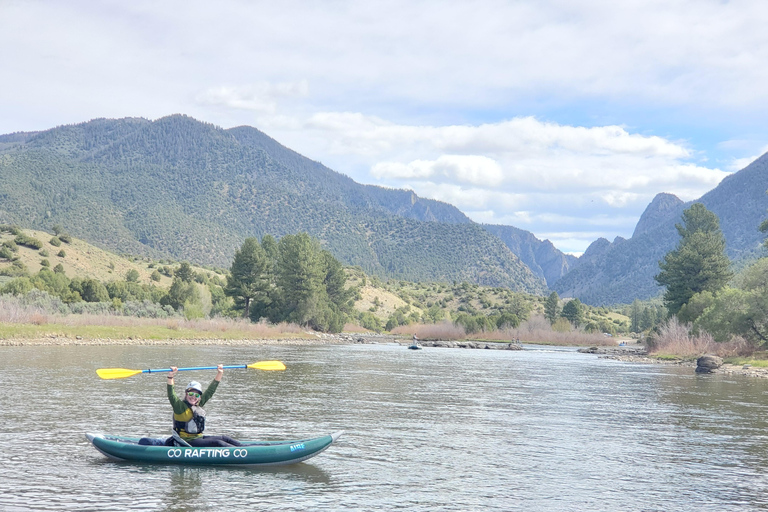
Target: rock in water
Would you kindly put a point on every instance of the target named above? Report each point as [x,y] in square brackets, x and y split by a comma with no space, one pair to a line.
[707,363]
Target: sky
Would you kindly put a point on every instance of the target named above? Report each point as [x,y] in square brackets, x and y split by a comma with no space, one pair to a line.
[563,118]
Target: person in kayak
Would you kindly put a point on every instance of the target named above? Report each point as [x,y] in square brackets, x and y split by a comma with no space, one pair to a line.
[189,415]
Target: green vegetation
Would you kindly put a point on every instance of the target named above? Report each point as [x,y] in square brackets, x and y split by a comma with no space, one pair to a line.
[711,310]
[250,277]
[699,263]
[292,280]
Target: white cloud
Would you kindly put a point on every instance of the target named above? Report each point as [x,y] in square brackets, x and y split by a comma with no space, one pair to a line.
[469,169]
[262,97]
[738,164]
[494,106]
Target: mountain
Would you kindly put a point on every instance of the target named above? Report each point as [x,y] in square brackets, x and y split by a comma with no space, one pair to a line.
[543,258]
[619,272]
[663,208]
[190,190]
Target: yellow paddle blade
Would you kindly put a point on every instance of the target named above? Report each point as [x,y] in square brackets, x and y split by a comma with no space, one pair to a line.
[267,365]
[116,373]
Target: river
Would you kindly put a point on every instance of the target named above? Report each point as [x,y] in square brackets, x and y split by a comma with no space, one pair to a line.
[540,429]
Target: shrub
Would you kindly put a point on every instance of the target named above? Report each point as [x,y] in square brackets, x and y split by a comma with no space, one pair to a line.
[94,291]
[91,308]
[561,325]
[61,254]
[17,269]
[155,276]
[14,230]
[44,253]
[45,263]
[193,311]
[20,286]
[146,309]
[370,322]
[28,241]
[55,241]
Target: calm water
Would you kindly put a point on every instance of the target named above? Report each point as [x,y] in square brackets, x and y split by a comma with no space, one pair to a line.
[436,429]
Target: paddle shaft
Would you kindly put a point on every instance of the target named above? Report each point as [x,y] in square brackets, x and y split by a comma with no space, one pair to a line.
[226,367]
[122,373]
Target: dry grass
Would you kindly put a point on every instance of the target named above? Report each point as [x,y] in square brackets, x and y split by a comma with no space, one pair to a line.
[445,331]
[211,325]
[677,340]
[535,330]
[349,327]
[30,321]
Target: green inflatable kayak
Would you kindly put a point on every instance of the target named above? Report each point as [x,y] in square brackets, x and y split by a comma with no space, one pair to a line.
[251,454]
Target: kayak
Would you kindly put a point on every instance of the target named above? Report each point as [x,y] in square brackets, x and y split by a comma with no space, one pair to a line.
[251,454]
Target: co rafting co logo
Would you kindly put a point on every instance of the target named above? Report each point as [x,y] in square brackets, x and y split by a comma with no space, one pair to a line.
[205,453]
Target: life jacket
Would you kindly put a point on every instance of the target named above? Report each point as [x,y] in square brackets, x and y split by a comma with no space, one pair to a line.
[191,422]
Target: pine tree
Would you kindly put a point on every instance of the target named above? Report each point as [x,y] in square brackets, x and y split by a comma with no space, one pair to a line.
[574,312]
[635,316]
[699,262]
[299,278]
[185,272]
[552,307]
[249,277]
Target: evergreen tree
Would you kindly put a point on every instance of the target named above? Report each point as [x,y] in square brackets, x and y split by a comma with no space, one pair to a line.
[269,245]
[573,311]
[647,319]
[309,286]
[185,272]
[699,262]
[249,278]
[635,316]
[552,307]
[299,279]
[335,281]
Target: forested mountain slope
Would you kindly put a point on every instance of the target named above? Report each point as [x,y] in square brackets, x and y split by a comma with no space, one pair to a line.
[543,258]
[618,272]
[182,188]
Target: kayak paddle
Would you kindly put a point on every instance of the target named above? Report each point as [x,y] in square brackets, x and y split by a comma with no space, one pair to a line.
[121,373]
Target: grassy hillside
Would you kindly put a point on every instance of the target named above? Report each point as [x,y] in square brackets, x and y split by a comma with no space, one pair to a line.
[415,302]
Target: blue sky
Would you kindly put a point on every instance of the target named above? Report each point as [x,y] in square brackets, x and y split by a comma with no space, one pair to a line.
[562,118]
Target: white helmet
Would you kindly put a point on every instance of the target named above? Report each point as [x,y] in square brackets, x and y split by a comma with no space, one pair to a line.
[196,386]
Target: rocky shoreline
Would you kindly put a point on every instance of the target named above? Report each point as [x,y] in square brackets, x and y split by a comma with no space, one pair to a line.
[638,354]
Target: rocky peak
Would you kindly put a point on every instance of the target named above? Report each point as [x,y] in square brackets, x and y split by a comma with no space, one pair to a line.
[661,208]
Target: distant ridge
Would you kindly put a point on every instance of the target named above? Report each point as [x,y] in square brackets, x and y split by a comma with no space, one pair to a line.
[624,270]
[543,258]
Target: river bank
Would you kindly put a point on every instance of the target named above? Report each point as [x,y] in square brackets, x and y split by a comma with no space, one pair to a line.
[631,354]
[308,339]
[627,353]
